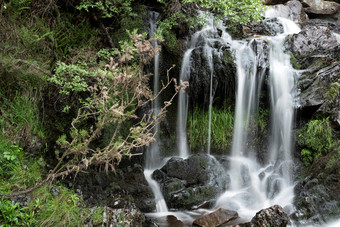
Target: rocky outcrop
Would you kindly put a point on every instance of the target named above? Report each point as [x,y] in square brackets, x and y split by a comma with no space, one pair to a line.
[119,189]
[317,198]
[216,218]
[292,10]
[315,49]
[191,182]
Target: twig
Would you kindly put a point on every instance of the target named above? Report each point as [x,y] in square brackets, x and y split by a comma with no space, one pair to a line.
[106,31]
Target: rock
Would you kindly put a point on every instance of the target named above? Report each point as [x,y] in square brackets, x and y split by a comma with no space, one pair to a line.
[274,2]
[312,40]
[130,216]
[54,190]
[321,7]
[216,218]
[272,216]
[22,200]
[316,49]
[317,198]
[292,10]
[191,182]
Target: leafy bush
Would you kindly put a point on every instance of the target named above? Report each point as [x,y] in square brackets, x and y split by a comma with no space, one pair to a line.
[316,139]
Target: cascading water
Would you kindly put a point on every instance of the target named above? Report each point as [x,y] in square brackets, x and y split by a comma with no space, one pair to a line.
[254,187]
[152,158]
[205,40]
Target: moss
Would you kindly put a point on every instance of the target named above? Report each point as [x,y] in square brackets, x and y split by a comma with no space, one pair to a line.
[294,62]
[171,41]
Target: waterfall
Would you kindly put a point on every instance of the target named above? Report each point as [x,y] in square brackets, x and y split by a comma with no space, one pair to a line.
[152,158]
[152,153]
[205,41]
[253,186]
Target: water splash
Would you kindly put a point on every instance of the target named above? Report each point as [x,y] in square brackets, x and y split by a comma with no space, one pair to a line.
[254,187]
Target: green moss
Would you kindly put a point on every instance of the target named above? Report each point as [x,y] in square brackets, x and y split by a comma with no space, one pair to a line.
[294,62]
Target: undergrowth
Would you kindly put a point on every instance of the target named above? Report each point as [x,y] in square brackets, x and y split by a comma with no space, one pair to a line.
[49,205]
[221,128]
[316,140]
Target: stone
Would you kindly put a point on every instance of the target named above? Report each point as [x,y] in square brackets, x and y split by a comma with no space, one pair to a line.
[272,216]
[292,10]
[321,7]
[274,2]
[191,182]
[216,218]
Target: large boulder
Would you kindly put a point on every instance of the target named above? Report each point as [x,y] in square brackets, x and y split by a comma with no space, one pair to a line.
[272,216]
[321,7]
[216,218]
[292,10]
[312,40]
[188,183]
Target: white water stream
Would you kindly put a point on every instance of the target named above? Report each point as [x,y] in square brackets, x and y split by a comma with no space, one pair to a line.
[253,186]
[152,158]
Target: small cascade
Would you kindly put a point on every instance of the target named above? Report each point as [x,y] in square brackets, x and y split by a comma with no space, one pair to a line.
[253,186]
[152,158]
[152,154]
[204,41]
[182,113]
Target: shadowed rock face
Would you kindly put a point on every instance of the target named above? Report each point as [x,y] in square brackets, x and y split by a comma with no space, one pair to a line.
[191,182]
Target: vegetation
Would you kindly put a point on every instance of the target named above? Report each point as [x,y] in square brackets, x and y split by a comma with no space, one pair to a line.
[222,121]
[316,139]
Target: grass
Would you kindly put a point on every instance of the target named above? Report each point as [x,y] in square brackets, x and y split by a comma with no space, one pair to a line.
[19,171]
[222,121]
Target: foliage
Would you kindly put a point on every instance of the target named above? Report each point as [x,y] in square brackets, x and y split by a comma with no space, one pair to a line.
[333,92]
[316,139]
[17,172]
[237,11]
[13,215]
[221,128]
[20,118]
[107,8]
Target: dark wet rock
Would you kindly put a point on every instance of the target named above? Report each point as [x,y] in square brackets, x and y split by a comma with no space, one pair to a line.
[223,73]
[22,200]
[275,2]
[129,216]
[115,189]
[191,182]
[272,216]
[216,218]
[321,7]
[317,197]
[292,10]
[316,49]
